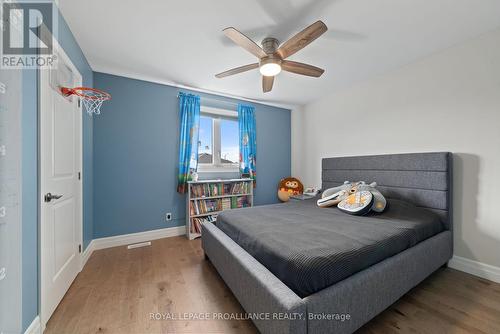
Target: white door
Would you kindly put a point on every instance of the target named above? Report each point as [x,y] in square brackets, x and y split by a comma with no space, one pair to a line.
[60,184]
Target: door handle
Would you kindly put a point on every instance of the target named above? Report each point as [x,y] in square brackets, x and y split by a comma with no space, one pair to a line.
[49,197]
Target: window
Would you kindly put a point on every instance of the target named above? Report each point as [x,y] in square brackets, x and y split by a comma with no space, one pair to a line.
[229,141]
[218,145]
[205,140]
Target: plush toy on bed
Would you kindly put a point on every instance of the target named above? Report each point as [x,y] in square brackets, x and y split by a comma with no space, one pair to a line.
[333,196]
[356,198]
[379,201]
[289,186]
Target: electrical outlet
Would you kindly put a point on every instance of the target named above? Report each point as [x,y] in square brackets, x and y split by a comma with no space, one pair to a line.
[168,216]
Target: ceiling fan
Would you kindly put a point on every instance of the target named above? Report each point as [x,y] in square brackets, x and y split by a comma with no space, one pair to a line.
[272,56]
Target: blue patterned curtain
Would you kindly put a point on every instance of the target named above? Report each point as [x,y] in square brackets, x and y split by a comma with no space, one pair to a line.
[248,141]
[189,107]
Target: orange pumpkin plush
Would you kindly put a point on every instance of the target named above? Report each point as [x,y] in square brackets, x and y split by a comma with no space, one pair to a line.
[289,186]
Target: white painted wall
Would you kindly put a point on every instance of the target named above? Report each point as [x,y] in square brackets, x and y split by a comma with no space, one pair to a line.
[296,140]
[449,101]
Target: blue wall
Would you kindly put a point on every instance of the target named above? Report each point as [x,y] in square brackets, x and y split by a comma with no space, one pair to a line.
[136,149]
[30,247]
[29,200]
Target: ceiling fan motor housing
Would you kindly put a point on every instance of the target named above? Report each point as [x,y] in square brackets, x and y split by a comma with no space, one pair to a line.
[270,59]
[270,45]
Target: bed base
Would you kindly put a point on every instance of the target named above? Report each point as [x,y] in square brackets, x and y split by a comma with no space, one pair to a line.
[277,309]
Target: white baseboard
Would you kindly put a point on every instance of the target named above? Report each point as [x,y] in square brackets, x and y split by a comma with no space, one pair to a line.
[34,327]
[86,253]
[133,238]
[476,268]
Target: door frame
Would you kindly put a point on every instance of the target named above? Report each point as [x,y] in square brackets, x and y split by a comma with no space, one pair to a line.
[59,51]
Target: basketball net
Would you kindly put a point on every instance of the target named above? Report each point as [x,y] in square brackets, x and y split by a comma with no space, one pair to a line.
[91,98]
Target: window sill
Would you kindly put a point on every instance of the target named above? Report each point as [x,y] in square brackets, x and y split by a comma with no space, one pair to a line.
[221,172]
[217,170]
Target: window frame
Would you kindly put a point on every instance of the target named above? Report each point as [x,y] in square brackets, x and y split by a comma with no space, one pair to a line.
[217,115]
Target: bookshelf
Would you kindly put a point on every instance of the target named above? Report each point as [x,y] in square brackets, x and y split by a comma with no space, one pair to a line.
[207,198]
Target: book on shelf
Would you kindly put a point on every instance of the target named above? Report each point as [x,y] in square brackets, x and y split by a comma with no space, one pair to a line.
[202,206]
[197,222]
[239,202]
[220,189]
[226,203]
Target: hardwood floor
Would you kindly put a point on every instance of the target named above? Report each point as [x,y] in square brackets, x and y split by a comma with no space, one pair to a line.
[119,289]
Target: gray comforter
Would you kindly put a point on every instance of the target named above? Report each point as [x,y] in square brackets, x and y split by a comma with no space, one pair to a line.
[310,248]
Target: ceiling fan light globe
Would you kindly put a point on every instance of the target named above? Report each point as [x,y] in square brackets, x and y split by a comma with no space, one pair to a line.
[270,69]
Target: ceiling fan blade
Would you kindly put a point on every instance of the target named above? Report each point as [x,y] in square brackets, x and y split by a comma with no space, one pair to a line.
[301,68]
[302,39]
[237,70]
[267,83]
[245,42]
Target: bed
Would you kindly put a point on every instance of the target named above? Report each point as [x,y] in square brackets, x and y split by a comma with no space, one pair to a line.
[335,286]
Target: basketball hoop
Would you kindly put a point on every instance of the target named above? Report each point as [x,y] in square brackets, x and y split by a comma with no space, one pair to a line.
[92,98]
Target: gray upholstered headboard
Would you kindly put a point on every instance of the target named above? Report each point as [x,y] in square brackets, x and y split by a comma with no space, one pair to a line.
[424,179]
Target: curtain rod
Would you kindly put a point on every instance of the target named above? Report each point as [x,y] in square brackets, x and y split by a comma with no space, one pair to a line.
[217,100]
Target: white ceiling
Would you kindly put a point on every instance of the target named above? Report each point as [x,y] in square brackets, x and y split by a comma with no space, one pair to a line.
[181,42]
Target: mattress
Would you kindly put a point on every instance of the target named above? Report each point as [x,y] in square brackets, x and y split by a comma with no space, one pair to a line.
[310,248]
